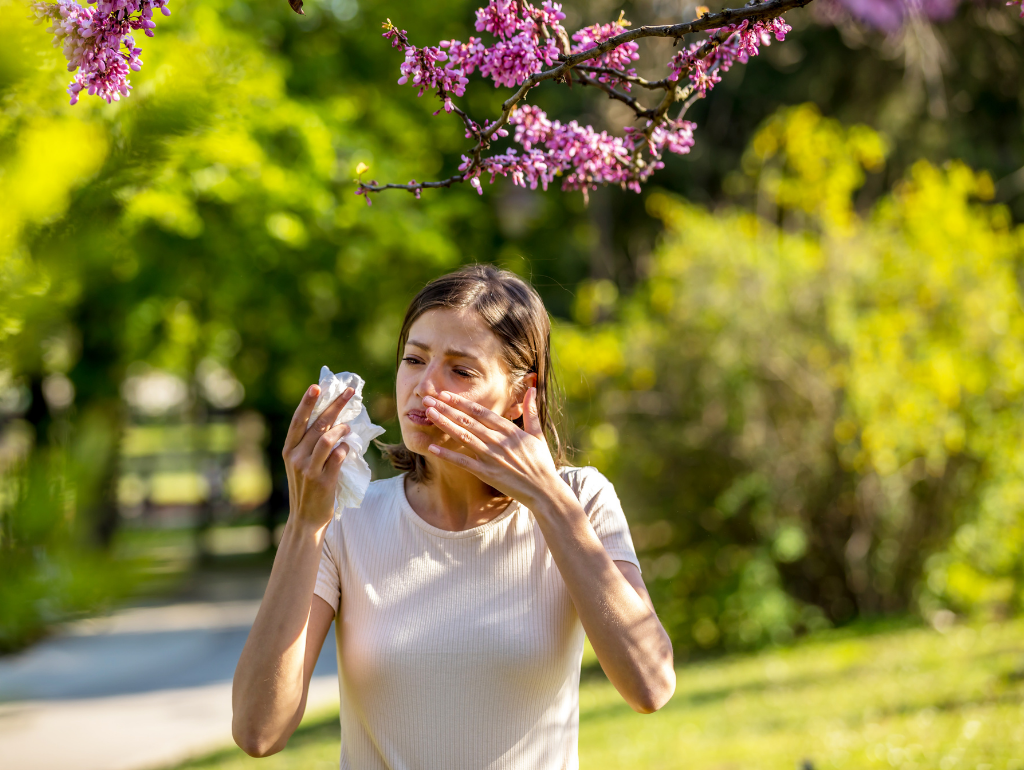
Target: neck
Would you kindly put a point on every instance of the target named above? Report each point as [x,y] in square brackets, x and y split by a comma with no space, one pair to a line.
[454,499]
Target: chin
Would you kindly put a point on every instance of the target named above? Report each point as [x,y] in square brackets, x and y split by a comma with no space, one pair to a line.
[417,440]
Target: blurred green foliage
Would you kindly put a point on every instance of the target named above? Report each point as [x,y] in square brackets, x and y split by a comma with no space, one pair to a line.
[817,413]
[50,569]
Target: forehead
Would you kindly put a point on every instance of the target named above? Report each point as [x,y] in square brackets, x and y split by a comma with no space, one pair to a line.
[462,330]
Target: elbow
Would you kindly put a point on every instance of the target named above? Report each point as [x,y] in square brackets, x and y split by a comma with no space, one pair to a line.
[253,743]
[659,691]
[256,748]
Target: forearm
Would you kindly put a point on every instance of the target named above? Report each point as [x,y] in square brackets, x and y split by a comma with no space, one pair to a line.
[268,689]
[629,640]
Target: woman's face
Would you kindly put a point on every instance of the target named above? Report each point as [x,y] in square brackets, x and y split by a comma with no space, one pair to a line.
[449,350]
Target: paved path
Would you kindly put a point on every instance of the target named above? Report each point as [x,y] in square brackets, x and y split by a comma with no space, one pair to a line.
[143,688]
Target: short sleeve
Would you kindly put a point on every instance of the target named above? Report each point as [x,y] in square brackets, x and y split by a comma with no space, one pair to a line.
[328,577]
[597,496]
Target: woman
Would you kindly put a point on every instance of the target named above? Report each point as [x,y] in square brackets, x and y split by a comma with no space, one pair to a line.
[464,586]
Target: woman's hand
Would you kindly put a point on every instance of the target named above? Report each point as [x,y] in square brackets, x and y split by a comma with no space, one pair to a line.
[312,461]
[514,461]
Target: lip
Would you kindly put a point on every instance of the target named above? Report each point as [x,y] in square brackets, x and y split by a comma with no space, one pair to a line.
[418,417]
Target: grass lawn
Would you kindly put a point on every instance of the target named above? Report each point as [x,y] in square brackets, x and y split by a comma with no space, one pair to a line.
[906,698]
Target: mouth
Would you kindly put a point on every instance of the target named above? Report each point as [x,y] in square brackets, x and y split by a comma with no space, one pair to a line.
[418,417]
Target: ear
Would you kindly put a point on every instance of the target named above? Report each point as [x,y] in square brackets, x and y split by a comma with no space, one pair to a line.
[516,410]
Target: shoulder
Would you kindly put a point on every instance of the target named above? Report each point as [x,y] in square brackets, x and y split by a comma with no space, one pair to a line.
[382,496]
[587,483]
[383,492]
[601,503]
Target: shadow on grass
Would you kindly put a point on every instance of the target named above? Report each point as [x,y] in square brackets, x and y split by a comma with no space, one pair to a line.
[701,698]
[860,630]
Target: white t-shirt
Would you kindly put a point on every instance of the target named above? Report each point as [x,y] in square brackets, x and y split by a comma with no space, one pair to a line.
[458,650]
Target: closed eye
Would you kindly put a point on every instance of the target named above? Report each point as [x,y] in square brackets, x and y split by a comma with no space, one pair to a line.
[461,372]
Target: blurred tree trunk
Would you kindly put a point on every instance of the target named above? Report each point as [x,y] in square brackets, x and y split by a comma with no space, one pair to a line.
[38,413]
[104,513]
[276,510]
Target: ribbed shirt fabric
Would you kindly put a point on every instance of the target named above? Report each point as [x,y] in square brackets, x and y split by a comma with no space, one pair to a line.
[458,650]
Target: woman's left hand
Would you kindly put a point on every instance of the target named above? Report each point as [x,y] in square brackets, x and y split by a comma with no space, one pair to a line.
[514,461]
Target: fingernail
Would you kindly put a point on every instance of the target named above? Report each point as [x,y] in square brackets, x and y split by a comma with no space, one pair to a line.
[432,412]
[428,401]
[435,449]
[348,392]
[445,395]
[312,390]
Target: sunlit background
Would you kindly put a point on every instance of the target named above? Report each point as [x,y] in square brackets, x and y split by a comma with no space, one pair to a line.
[799,355]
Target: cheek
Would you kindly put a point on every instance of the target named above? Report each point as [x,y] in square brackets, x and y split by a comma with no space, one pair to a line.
[405,383]
[492,396]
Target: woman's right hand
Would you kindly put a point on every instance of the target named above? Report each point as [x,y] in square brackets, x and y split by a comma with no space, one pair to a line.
[312,462]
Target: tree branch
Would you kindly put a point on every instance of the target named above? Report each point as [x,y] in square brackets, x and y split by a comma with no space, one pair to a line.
[629,101]
[725,18]
[653,85]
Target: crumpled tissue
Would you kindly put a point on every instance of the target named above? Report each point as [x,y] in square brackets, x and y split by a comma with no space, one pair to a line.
[355,472]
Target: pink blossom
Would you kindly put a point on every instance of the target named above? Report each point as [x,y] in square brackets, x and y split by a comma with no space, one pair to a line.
[510,62]
[674,136]
[521,49]
[583,157]
[500,18]
[97,42]
[422,68]
[744,40]
[619,58]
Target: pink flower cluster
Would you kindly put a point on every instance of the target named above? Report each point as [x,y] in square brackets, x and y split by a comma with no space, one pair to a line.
[97,42]
[422,67]
[619,58]
[676,136]
[507,19]
[1018,3]
[526,44]
[527,39]
[743,41]
[583,157]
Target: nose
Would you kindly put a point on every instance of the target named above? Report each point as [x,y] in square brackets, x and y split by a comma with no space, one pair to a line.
[427,384]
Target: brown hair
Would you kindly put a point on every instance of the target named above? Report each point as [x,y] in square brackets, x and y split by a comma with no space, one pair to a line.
[514,311]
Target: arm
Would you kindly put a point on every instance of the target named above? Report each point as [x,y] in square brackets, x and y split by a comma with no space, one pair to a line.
[268,695]
[612,602]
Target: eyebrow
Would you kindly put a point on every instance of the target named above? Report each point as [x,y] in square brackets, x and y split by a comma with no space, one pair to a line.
[450,352]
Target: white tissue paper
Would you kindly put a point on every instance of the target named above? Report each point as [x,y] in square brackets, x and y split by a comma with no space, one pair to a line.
[355,472]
